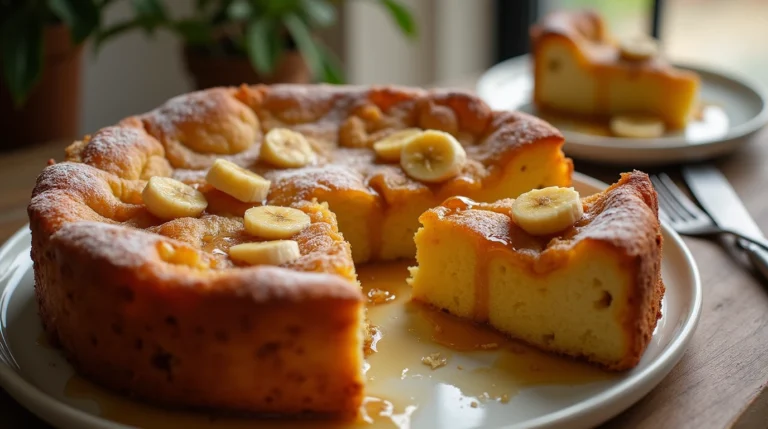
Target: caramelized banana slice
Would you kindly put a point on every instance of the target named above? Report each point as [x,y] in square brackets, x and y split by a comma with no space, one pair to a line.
[286,149]
[547,211]
[639,127]
[640,48]
[276,252]
[432,156]
[169,199]
[274,222]
[238,182]
[389,148]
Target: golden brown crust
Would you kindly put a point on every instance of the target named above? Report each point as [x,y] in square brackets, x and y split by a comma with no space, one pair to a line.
[90,227]
[624,217]
[125,151]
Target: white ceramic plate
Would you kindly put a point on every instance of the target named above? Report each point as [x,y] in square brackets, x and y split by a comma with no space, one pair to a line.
[737,108]
[37,375]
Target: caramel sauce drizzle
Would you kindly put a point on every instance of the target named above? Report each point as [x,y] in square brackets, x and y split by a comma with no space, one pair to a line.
[376,231]
[482,288]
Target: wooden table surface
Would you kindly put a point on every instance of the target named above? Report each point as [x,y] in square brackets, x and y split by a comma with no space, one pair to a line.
[721,380]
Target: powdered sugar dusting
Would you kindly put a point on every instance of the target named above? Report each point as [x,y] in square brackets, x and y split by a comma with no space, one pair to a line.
[192,107]
[121,150]
[99,238]
[300,184]
[72,178]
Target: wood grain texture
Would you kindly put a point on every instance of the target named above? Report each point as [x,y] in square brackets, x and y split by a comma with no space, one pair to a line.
[721,380]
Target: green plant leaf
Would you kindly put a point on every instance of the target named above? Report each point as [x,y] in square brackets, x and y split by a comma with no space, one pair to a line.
[277,47]
[257,46]
[22,53]
[402,16]
[278,8]
[150,8]
[151,13]
[304,41]
[319,13]
[105,34]
[81,16]
[194,32]
[332,69]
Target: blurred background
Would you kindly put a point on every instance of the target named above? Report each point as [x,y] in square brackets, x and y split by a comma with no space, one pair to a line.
[151,50]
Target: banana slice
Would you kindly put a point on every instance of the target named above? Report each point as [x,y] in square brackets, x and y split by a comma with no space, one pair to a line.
[638,48]
[432,156]
[276,252]
[238,182]
[169,199]
[390,147]
[547,211]
[286,148]
[639,127]
[274,222]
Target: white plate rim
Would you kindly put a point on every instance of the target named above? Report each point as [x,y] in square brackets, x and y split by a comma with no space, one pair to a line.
[617,398]
[30,396]
[488,80]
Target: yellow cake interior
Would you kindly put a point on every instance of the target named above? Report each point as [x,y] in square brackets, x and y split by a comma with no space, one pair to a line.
[575,301]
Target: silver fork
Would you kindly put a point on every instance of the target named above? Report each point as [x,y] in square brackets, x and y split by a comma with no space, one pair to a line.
[685,217]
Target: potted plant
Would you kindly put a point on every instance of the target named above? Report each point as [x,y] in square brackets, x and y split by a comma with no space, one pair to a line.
[41,44]
[229,42]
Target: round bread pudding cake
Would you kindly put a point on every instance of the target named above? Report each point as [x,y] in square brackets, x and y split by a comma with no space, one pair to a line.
[203,254]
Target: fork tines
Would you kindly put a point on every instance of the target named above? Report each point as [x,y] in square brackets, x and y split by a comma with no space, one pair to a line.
[677,209]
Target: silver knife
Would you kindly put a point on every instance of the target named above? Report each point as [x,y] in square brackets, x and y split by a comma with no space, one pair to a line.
[718,198]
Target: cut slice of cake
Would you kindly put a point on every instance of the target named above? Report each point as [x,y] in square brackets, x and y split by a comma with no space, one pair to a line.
[579,69]
[592,290]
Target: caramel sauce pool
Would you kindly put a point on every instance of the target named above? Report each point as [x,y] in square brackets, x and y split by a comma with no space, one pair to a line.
[475,367]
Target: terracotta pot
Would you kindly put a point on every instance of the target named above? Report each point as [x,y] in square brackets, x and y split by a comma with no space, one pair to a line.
[221,70]
[52,111]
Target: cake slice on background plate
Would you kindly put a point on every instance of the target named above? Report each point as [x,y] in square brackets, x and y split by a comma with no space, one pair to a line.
[579,69]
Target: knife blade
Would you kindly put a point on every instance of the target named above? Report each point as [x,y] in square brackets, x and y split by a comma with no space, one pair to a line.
[718,198]
[722,203]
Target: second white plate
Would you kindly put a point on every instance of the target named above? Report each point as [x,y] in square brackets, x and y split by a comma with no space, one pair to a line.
[737,109]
